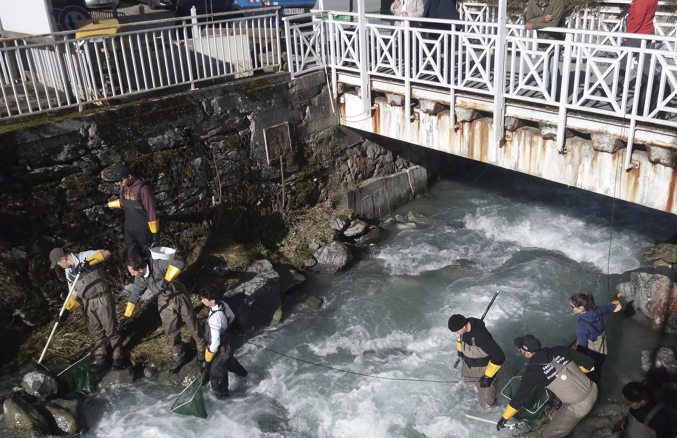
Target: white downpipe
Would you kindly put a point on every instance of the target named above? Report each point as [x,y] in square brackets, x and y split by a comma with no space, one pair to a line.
[499,75]
[364,60]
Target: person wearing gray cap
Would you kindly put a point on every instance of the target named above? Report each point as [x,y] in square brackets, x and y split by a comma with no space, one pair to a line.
[93,291]
[142,226]
[561,370]
[482,356]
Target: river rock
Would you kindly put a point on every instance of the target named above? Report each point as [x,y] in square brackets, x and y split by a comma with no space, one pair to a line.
[67,415]
[413,215]
[663,251]
[652,295]
[309,303]
[115,378]
[40,384]
[333,257]
[401,219]
[340,223]
[665,357]
[314,246]
[289,277]
[357,228]
[261,288]
[150,372]
[24,417]
[387,222]
[185,377]
[309,263]
[371,238]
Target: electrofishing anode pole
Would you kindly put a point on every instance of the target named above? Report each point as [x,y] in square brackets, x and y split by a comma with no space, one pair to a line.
[63,307]
[481,319]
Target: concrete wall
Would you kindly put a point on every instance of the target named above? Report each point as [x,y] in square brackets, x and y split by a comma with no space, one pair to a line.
[648,183]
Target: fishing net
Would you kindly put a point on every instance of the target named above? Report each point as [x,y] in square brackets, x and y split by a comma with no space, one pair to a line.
[80,377]
[534,407]
[191,401]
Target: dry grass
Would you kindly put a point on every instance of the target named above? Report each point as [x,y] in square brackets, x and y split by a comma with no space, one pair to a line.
[305,227]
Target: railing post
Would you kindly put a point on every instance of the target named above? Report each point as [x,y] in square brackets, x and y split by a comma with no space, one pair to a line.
[364,61]
[563,93]
[195,29]
[332,57]
[277,36]
[499,75]
[290,48]
[407,76]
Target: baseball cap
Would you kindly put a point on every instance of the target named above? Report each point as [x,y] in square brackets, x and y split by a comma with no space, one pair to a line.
[528,343]
[54,256]
[121,171]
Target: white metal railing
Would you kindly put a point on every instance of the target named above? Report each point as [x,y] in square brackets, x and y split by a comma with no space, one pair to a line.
[47,72]
[587,71]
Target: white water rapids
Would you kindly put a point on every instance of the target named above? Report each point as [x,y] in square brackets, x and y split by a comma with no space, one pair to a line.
[536,242]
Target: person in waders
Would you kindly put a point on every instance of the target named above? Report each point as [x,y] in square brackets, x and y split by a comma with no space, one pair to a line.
[646,417]
[173,304]
[93,291]
[481,355]
[590,332]
[142,227]
[219,354]
[561,370]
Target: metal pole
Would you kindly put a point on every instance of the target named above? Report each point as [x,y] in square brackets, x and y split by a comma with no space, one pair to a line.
[364,62]
[499,75]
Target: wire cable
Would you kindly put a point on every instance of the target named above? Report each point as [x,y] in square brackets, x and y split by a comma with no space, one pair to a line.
[402,379]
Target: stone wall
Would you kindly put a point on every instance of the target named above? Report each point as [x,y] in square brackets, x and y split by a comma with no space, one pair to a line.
[201,151]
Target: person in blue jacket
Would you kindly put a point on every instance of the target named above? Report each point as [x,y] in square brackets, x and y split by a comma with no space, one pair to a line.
[590,331]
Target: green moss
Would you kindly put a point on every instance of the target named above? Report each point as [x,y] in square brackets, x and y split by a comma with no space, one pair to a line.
[259,89]
[79,185]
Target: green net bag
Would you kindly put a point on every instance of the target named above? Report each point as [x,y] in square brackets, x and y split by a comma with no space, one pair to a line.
[535,405]
[191,401]
[80,377]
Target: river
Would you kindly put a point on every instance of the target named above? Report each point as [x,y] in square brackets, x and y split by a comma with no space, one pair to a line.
[534,241]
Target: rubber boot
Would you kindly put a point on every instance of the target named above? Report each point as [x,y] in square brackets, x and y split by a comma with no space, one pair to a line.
[100,364]
[118,364]
[201,359]
[178,364]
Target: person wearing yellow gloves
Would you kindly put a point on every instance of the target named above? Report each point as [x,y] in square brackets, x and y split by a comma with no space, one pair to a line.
[173,303]
[481,355]
[562,371]
[92,291]
[219,357]
[142,226]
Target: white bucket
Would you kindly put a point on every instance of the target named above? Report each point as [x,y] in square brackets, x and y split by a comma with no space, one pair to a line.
[162,253]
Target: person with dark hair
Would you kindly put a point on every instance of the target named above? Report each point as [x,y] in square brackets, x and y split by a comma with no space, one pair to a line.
[590,332]
[93,291]
[440,9]
[542,14]
[173,303]
[219,357]
[481,355]
[646,417]
[560,370]
[142,226]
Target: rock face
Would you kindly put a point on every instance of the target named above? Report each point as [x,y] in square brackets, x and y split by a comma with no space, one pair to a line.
[40,384]
[333,257]
[24,417]
[261,289]
[67,415]
[654,298]
[664,357]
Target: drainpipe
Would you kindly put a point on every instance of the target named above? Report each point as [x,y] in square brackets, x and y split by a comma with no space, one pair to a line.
[364,62]
[499,75]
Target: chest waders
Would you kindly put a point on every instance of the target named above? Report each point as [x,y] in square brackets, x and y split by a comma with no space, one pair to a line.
[475,363]
[642,430]
[138,237]
[577,393]
[597,350]
[224,360]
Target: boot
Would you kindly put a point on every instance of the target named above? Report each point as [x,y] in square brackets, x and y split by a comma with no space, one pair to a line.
[201,358]
[178,364]
[100,364]
[118,364]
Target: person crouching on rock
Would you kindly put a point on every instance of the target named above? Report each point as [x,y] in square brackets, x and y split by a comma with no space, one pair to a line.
[173,304]
[93,291]
[482,357]
[219,355]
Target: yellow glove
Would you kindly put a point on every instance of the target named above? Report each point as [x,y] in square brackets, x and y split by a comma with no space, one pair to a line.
[209,356]
[72,304]
[492,369]
[172,272]
[154,226]
[96,259]
[130,309]
[509,412]
[458,345]
[114,204]
[586,371]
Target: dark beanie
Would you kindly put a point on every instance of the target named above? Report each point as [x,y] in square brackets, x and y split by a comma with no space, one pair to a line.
[457,322]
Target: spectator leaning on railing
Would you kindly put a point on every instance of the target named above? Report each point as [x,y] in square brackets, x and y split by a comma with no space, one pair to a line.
[407,8]
[542,14]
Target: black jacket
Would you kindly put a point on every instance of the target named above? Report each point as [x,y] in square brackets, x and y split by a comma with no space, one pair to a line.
[483,340]
[442,9]
[538,374]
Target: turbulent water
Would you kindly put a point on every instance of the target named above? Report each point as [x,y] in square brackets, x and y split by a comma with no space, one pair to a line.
[535,242]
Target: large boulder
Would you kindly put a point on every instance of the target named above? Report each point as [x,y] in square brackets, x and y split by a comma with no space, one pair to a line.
[340,223]
[185,377]
[664,357]
[333,257]
[40,384]
[116,378]
[371,238]
[67,415]
[260,287]
[652,296]
[24,417]
[357,228]
[666,252]
[289,277]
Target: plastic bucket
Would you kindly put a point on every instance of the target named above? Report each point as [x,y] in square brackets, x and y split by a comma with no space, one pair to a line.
[162,253]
